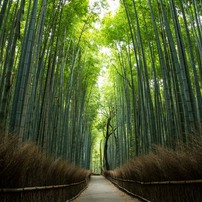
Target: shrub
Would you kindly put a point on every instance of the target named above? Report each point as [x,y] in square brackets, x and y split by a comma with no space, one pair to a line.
[24,165]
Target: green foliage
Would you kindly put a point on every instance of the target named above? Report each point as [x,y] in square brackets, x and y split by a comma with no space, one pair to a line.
[53,54]
[115,28]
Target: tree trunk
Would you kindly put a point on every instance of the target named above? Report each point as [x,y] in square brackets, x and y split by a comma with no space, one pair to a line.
[106,144]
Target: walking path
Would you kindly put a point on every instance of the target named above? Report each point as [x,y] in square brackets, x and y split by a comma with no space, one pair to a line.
[101,190]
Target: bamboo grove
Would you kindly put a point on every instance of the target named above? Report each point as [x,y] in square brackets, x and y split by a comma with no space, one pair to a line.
[156,73]
[47,76]
[50,62]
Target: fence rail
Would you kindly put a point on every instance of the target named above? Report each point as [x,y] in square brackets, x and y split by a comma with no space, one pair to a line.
[40,188]
[178,190]
[130,193]
[161,182]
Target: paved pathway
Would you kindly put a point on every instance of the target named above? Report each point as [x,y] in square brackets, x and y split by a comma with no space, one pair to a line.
[101,190]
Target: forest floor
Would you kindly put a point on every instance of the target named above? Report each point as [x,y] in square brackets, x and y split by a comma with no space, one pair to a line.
[100,190]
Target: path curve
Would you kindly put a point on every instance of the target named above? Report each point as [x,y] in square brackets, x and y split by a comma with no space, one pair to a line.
[101,190]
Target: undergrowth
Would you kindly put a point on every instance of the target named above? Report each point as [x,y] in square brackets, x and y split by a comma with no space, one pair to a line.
[23,165]
[163,164]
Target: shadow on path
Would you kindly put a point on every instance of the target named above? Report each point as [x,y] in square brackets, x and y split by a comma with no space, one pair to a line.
[100,189]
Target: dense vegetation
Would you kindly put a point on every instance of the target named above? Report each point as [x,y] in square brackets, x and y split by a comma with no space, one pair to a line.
[163,175]
[24,166]
[47,76]
[155,73]
[51,55]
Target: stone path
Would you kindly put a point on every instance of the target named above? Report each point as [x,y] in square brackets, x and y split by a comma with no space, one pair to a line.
[101,190]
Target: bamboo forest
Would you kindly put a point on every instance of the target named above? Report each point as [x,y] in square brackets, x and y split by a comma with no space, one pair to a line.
[100,87]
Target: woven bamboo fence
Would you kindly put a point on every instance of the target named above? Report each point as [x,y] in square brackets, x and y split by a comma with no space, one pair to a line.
[53,193]
[162,191]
